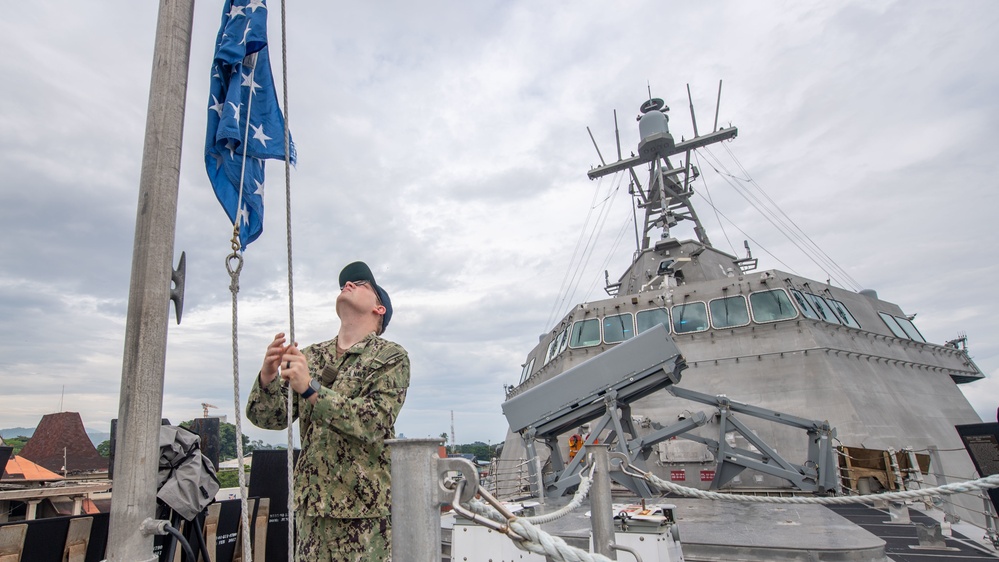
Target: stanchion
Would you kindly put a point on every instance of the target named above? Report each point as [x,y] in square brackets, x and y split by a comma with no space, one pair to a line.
[601,505]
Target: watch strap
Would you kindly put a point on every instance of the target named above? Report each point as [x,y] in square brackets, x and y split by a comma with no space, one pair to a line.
[313,388]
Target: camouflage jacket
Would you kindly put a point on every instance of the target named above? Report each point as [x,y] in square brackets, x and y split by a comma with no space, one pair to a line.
[343,470]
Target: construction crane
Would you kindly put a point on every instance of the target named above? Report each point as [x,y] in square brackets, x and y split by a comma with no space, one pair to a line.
[454,444]
[206,406]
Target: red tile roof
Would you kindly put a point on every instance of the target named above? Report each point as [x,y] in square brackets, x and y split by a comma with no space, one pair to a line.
[62,436]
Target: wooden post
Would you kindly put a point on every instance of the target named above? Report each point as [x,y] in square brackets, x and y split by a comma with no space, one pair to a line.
[141,398]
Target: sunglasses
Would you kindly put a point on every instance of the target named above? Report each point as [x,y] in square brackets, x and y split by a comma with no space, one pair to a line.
[360,283]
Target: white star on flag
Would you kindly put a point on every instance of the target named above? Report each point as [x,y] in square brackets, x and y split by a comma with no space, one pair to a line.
[235,109]
[242,95]
[248,81]
[217,106]
[258,134]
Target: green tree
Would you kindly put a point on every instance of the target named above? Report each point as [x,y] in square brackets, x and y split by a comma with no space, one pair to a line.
[259,445]
[482,451]
[229,478]
[104,449]
[17,443]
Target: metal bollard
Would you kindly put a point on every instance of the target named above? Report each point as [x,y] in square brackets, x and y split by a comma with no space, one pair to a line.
[601,505]
[418,492]
[416,515]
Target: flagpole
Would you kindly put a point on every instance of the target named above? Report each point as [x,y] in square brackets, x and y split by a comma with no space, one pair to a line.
[141,400]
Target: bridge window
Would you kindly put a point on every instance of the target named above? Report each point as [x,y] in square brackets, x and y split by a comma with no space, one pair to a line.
[729,312]
[552,346]
[526,373]
[910,329]
[771,306]
[618,328]
[843,313]
[648,319]
[690,317]
[892,324]
[822,307]
[585,333]
[804,305]
[563,341]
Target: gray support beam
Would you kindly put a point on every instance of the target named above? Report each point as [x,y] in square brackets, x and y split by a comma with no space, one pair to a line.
[711,138]
[141,399]
[601,503]
[739,407]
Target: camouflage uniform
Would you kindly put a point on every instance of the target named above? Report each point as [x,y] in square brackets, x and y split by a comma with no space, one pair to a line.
[342,479]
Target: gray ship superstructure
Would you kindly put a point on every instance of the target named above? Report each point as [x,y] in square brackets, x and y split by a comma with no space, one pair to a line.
[768,338]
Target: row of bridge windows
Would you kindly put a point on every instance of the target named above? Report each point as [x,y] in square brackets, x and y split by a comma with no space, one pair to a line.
[725,312]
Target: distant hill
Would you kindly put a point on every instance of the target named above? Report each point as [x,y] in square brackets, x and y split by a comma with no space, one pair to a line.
[17,432]
[97,437]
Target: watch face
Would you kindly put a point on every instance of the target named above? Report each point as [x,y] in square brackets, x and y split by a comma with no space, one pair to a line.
[315,385]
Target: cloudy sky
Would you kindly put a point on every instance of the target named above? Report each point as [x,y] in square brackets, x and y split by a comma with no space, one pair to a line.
[445,143]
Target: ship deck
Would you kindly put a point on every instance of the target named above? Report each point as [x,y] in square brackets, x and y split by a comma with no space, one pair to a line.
[716,531]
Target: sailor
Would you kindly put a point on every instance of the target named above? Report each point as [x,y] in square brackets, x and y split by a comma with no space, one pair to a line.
[348,394]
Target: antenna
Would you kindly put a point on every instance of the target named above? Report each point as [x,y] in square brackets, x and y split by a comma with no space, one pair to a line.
[453,442]
[692,118]
[717,106]
[594,141]
[617,136]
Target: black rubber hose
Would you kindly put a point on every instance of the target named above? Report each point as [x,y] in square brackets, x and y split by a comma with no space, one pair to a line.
[183,542]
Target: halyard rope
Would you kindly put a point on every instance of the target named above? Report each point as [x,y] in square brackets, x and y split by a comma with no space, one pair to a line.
[237,257]
[234,288]
[291,292]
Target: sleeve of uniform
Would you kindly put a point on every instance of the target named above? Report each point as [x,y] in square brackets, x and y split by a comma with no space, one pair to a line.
[371,415]
[267,406]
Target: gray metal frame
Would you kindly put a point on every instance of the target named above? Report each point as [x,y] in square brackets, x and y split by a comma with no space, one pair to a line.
[820,473]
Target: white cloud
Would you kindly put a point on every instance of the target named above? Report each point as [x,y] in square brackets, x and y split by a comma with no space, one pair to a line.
[447,146]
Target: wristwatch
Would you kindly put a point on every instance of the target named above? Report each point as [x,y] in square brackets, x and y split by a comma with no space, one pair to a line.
[314,387]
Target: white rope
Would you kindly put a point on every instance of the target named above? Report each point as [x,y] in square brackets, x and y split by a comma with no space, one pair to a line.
[534,539]
[484,509]
[234,288]
[537,541]
[945,490]
[540,542]
[241,470]
[577,500]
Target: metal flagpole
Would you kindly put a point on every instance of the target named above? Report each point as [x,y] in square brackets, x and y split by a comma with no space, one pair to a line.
[141,400]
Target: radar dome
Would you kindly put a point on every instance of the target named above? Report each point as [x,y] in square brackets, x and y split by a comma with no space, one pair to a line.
[653,127]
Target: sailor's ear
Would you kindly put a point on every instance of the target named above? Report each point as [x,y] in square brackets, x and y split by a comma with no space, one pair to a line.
[380,309]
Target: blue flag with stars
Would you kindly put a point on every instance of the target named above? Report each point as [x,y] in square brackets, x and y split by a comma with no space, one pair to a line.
[243,95]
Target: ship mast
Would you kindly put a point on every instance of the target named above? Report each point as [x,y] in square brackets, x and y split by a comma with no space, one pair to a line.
[141,400]
[666,200]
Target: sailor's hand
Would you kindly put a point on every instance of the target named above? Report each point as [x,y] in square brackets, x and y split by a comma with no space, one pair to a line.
[295,369]
[272,359]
